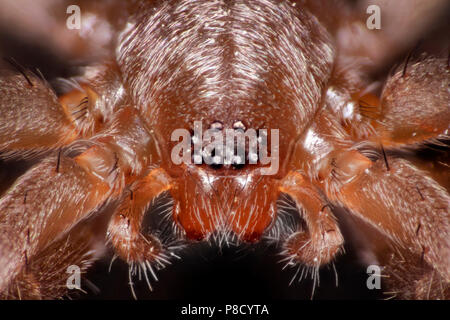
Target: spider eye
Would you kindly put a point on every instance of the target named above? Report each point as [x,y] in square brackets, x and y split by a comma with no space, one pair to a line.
[239,125]
[216,125]
[217,161]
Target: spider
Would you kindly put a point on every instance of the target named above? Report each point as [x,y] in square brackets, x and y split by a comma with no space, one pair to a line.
[103,146]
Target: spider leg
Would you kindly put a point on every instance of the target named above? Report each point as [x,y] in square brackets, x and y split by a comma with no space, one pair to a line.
[125,229]
[403,203]
[31,117]
[46,202]
[415,104]
[125,232]
[67,187]
[33,120]
[322,240]
[413,108]
[54,272]
[408,209]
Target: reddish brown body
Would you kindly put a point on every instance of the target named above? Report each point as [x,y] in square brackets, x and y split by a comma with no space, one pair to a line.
[271,65]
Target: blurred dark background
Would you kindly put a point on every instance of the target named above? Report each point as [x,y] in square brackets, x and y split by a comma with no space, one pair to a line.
[249,274]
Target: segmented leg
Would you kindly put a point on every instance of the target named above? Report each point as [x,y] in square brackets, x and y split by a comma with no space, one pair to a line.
[392,195]
[322,240]
[132,244]
[45,203]
[406,205]
[413,108]
[34,120]
[31,117]
[415,104]
[409,209]
[55,271]
[124,230]
[51,198]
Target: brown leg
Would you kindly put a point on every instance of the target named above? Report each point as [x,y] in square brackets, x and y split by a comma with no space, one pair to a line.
[391,194]
[322,240]
[124,231]
[415,104]
[31,119]
[47,274]
[409,209]
[406,205]
[46,202]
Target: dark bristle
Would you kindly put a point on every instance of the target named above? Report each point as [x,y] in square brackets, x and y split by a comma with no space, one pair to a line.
[26,259]
[385,158]
[420,193]
[81,116]
[116,163]
[58,162]
[418,229]
[19,68]
[82,109]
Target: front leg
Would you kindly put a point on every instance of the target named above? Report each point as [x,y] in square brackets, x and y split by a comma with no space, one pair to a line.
[124,231]
[31,117]
[391,194]
[415,104]
[47,202]
[322,240]
[409,210]
[66,188]
[46,275]
[413,107]
[404,204]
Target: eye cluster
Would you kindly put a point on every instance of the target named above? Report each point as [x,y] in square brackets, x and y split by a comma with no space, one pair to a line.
[221,147]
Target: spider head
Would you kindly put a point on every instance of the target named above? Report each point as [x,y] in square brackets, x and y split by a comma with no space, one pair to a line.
[225,178]
[218,70]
